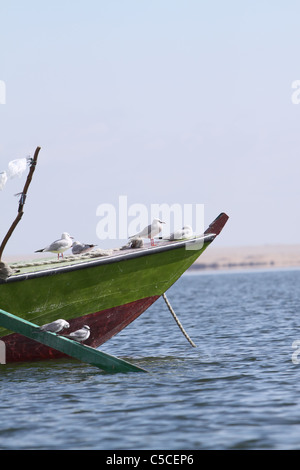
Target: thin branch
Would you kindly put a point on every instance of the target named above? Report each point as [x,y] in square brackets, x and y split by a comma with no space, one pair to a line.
[23,194]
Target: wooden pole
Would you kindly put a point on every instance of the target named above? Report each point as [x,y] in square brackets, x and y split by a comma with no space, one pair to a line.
[23,194]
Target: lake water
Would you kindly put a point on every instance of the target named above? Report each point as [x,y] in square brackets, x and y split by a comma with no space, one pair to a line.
[239,389]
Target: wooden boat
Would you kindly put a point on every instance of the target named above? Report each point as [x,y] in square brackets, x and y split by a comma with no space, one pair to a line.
[105,292]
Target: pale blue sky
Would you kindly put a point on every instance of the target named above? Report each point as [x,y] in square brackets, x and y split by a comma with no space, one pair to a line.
[163,101]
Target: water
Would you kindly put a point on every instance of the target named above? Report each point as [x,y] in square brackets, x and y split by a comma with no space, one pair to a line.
[239,389]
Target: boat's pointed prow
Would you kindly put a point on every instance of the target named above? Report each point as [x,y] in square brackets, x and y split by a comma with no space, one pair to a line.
[217,225]
[105,292]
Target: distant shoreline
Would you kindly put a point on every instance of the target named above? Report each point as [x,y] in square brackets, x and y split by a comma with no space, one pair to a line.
[248,257]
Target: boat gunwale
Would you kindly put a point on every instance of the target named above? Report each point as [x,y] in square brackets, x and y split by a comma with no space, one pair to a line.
[206,238]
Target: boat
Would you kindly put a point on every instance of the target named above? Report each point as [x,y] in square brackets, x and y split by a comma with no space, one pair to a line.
[104,291]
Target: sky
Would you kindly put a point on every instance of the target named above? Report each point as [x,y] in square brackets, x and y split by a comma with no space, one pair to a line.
[159,102]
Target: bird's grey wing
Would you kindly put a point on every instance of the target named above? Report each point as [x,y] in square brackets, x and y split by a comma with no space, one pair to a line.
[77,249]
[143,233]
[86,247]
[49,327]
[81,334]
[147,230]
[58,244]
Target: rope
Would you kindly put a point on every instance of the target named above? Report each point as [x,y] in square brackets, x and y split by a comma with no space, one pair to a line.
[177,321]
[43,262]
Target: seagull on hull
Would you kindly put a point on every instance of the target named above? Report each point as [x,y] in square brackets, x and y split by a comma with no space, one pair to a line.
[58,246]
[79,335]
[150,231]
[55,326]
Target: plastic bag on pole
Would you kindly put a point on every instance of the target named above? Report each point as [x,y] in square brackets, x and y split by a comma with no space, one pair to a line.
[3,179]
[17,167]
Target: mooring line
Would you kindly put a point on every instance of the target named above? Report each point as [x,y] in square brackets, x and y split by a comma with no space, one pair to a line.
[177,321]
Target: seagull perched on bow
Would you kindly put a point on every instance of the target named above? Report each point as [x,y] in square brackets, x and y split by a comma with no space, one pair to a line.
[185,232]
[81,248]
[55,326]
[150,232]
[59,246]
[79,335]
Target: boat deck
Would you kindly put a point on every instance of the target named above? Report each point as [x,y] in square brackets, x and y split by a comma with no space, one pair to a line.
[50,263]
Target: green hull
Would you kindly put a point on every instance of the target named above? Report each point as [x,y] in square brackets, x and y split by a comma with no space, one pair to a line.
[106,293]
[89,287]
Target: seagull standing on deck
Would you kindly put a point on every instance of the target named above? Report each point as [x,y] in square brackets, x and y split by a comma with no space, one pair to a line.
[81,248]
[59,246]
[151,231]
[185,232]
[80,335]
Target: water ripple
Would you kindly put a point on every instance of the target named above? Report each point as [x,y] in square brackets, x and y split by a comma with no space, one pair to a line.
[237,390]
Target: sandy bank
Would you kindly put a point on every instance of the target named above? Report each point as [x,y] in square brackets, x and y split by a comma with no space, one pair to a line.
[249,257]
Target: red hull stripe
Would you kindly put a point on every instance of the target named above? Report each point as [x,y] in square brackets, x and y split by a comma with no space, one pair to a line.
[104,325]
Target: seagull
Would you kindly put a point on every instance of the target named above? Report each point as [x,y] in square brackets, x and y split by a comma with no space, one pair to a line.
[59,246]
[134,243]
[55,326]
[80,248]
[149,232]
[185,232]
[79,335]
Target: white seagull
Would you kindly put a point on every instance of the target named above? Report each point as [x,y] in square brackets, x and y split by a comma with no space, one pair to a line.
[185,232]
[81,248]
[80,335]
[150,232]
[55,326]
[59,246]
